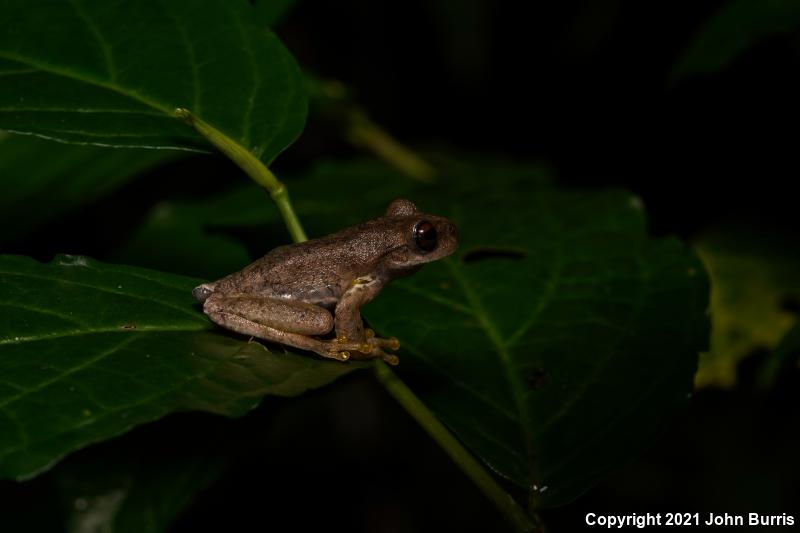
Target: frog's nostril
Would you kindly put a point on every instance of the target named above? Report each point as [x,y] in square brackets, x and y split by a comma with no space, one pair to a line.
[201,293]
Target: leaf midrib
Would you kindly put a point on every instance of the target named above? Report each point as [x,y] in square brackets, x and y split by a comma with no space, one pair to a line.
[20,339]
[203,374]
[500,348]
[105,414]
[98,288]
[77,368]
[644,280]
[84,78]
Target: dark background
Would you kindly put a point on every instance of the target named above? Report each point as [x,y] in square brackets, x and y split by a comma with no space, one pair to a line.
[585,86]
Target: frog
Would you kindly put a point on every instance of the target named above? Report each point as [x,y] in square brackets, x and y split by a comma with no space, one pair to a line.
[309,295]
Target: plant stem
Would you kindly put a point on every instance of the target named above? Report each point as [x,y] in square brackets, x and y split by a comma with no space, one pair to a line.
[474,470]
[333,100]
[252,166]
[361,131]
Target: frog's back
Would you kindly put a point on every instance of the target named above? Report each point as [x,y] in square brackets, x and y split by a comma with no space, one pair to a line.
[314,271]
[317,271]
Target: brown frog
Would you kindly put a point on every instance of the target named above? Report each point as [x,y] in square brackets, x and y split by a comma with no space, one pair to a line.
[299,293]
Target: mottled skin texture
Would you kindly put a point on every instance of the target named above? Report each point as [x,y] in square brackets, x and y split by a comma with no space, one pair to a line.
[299,293]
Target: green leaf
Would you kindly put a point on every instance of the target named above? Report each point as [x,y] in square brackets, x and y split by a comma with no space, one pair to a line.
[558,340]
[89,350]
[270,13]
[173,240]
[58,178]
[85,71]
[736,27]
[785,355]
[753,273]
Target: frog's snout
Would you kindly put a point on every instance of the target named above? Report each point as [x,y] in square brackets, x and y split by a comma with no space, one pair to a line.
[448,238]
[202,292]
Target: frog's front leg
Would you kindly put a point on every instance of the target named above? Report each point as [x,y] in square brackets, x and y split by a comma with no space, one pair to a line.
[350,326]
[275,319]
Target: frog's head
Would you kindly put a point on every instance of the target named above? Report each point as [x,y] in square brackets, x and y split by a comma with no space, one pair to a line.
[423,237]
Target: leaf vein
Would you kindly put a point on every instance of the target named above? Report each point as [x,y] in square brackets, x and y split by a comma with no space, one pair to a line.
[467,388]
[193,64]
[495,338]
[90,80]
[78,110]
[43,311]
[105,47]
[188,378]
[80,332]
[248,50]
[124,342]
[104,289]
[435,298]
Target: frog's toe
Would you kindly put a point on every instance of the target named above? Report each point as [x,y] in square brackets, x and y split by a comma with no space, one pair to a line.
[334,351]
[392,343]
[367,348]
[391,359]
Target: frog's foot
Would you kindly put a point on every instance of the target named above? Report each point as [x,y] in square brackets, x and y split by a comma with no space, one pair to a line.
[373,346]
[339,348]
[342,348]
[374,352]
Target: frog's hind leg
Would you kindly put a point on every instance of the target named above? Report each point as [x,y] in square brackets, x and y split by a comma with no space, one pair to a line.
[282,321]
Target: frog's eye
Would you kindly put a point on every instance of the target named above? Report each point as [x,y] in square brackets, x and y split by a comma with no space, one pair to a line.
[425,236]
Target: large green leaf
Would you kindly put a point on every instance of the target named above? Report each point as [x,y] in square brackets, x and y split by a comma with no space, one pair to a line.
[89,350]
[558,340]
[737,26]
[87,71]
[42,180]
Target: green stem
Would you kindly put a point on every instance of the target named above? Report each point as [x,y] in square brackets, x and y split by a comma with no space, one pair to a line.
[361,131]
[474,470]
[252,166]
